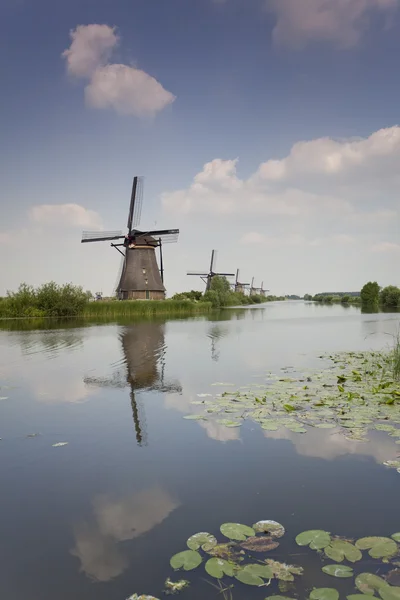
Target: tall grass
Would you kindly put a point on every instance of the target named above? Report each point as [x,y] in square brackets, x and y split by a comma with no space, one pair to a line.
[127,308]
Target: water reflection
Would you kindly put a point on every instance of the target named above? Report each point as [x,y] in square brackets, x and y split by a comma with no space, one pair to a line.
[216,333]
[142,368]
[115,520]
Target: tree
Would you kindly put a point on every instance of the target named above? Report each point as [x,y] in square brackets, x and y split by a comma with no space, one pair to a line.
[370,294]
[390,296]
[307,297]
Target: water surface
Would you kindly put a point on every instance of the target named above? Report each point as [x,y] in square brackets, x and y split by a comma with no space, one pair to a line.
[100,517]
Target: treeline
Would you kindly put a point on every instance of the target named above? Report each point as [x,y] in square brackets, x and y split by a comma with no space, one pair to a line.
[373,296]
[332,298]
[221,294]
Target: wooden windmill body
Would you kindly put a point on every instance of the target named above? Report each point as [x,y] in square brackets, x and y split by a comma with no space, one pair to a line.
[240,287]
[141,278]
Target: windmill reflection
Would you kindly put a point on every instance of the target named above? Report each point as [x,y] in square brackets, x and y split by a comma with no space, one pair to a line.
[216,333]
[142,368]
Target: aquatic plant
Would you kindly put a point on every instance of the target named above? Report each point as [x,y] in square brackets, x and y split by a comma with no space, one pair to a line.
[357,392]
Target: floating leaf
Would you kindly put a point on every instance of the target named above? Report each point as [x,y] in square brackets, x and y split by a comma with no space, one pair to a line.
[338,570]
[236,531]
[218,567]
[259,544]
[289,407]
[195,418]
[141,597]
[358,596]
[367,583]
[278,598]
[389,592]
[396,537]
[380,547]
[324,594]
[273,528]
[338,550]
[227,552]
[315,538]
[59,444]
[187,560]
[325,426]
[203,539]
[175,587]
[254,574]
[270,425]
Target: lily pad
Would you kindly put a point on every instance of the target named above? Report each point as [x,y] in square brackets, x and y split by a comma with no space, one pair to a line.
[254,574]
[338,550]
[141,597]
[227,552]
[259,544]
[396,537]
[389,592]
[379,547]
[273,528]
[195,417]
[324,594]
[338,570]
[218,567]
[315,538]
[60,444]
[278,598]
[367,583]
[236,531]
[358,596]
[187,560]
[204,540]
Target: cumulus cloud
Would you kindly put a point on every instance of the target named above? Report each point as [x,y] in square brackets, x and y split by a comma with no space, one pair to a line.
[65,215]
[341,22]
[126,89]
[90,48]
[323,176]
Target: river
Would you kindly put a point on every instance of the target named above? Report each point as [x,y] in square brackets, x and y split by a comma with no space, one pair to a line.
[100,517]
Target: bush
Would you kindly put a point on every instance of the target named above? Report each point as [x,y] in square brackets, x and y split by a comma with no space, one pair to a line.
[49,300]
[345,299]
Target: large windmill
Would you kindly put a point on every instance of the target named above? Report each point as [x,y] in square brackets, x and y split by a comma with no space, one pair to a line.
[208,277]
[140,276]
[238,286]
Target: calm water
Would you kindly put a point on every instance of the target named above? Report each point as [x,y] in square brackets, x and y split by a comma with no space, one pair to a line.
[100,517]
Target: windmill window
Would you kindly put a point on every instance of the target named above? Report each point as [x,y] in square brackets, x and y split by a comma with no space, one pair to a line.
[144,271]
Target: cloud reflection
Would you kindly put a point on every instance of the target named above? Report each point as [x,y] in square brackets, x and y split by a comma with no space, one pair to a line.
[117,520]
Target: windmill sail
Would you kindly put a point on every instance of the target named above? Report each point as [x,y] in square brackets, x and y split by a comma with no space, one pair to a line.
[101,236]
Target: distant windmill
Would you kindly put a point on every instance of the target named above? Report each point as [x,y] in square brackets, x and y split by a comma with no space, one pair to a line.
[252,288]
[261,290]
[140,277]
[208,277]
[238,286]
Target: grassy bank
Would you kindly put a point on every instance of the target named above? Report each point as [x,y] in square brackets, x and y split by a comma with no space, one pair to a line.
[127,308]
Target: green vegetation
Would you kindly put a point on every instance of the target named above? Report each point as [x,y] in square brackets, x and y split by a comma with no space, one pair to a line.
[220,294]
[48,300]
[370,295]
[342,298]
[128,308]
[396,357]
[390,297]
[244,556]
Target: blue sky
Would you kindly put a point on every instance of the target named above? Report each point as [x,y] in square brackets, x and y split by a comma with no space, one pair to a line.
[202,82]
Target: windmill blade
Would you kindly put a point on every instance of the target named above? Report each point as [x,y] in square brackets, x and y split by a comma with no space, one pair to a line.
[225,274]
[167,236]
[132,204]
[100,236]
[237,276]
[213,261]
[197,274]
[137,211]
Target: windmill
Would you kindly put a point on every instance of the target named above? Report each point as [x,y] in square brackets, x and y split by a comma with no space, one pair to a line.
[261,290]
[140,276]
[238,286]
[143,347]
[208,277]
[252,288]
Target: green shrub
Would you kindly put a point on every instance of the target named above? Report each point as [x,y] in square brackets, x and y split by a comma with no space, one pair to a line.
[370,294]
[390,297]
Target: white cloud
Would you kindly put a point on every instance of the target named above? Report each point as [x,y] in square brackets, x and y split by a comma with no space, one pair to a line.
[90,48]
[65,215]
[322,176]
[386,247]
[341,22]
[126,89]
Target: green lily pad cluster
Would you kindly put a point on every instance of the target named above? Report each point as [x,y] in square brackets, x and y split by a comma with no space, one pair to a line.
[339,549]
[230,559]
[356,393]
